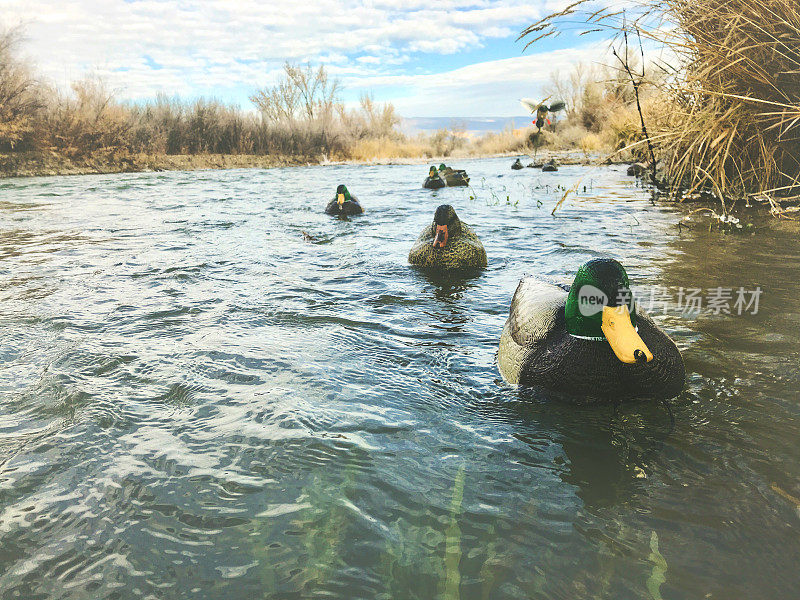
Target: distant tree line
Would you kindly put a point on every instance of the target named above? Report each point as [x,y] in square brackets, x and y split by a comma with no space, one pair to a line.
[301,115]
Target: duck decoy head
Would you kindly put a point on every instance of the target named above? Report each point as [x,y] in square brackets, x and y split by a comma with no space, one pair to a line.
[445,222]
[432,172]
[342,195]
[600,307]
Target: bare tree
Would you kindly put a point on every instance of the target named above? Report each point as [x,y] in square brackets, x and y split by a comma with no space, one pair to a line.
[380,120]
[304,93]
[570,88]
[278,104]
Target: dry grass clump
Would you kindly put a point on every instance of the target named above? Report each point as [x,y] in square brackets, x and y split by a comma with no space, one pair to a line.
[507,141]
[736,123]
[19,97]
[370,149]
[84,122]
[733,93]
[592,142]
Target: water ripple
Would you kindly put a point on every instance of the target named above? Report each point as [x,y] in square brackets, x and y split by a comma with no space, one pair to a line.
[212,389]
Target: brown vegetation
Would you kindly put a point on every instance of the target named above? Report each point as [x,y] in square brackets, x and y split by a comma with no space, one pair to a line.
[19,97]
[299,119]
[727,120]
[600,109]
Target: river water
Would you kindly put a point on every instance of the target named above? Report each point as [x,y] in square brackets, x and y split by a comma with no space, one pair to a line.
[198,401]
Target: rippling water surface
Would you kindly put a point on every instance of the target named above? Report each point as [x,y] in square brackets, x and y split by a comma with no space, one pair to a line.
[199,402]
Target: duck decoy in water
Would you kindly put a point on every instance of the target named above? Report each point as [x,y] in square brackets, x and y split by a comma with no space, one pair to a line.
[433,181]
[517,165]
[550,166]
[637,169]
[588,341]
[344,204]
[448,244]
[453,177]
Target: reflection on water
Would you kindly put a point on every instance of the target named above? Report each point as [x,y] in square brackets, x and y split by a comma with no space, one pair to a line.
[211,389]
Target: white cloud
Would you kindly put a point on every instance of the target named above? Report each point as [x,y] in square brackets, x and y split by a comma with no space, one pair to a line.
[220,46]
[491,88]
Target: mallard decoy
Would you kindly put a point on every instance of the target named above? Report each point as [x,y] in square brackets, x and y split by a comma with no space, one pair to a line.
[589,340]
[517,165]
[433,181]
[448,244]
[550,166]
[344,204]
[637,169]
[453,177]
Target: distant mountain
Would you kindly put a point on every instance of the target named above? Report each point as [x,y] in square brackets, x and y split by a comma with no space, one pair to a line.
[473,125]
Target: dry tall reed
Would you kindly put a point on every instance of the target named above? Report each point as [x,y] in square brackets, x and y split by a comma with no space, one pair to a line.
[732,90]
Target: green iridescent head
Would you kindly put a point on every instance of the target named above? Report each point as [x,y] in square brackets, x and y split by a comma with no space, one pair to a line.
[442,167]
[342,190]
[432,172]
[598,283]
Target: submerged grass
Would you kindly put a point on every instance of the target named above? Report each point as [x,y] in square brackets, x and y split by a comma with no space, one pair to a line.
[658,575]
[452,553]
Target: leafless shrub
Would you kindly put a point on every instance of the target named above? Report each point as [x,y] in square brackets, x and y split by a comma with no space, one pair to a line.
[87,120]
[20,96]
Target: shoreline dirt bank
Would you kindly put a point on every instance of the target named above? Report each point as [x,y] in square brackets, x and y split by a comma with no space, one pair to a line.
[39,164]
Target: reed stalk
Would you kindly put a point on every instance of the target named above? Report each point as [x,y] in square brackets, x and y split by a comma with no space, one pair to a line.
[731,90]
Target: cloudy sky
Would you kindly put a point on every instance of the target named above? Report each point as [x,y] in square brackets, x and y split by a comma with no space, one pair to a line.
[456,58]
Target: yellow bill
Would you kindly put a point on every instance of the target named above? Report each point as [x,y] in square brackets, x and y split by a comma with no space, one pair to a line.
[624,340]
[340,199]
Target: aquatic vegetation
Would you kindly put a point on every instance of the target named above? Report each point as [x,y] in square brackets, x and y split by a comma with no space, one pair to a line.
[262,553]
[500,197]
[411,553]
[658,574]
[324,525]
[724,223]
[452,553]
[408,555]
[491,566]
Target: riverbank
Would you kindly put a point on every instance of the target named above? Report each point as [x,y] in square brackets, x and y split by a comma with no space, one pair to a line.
[38,164]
